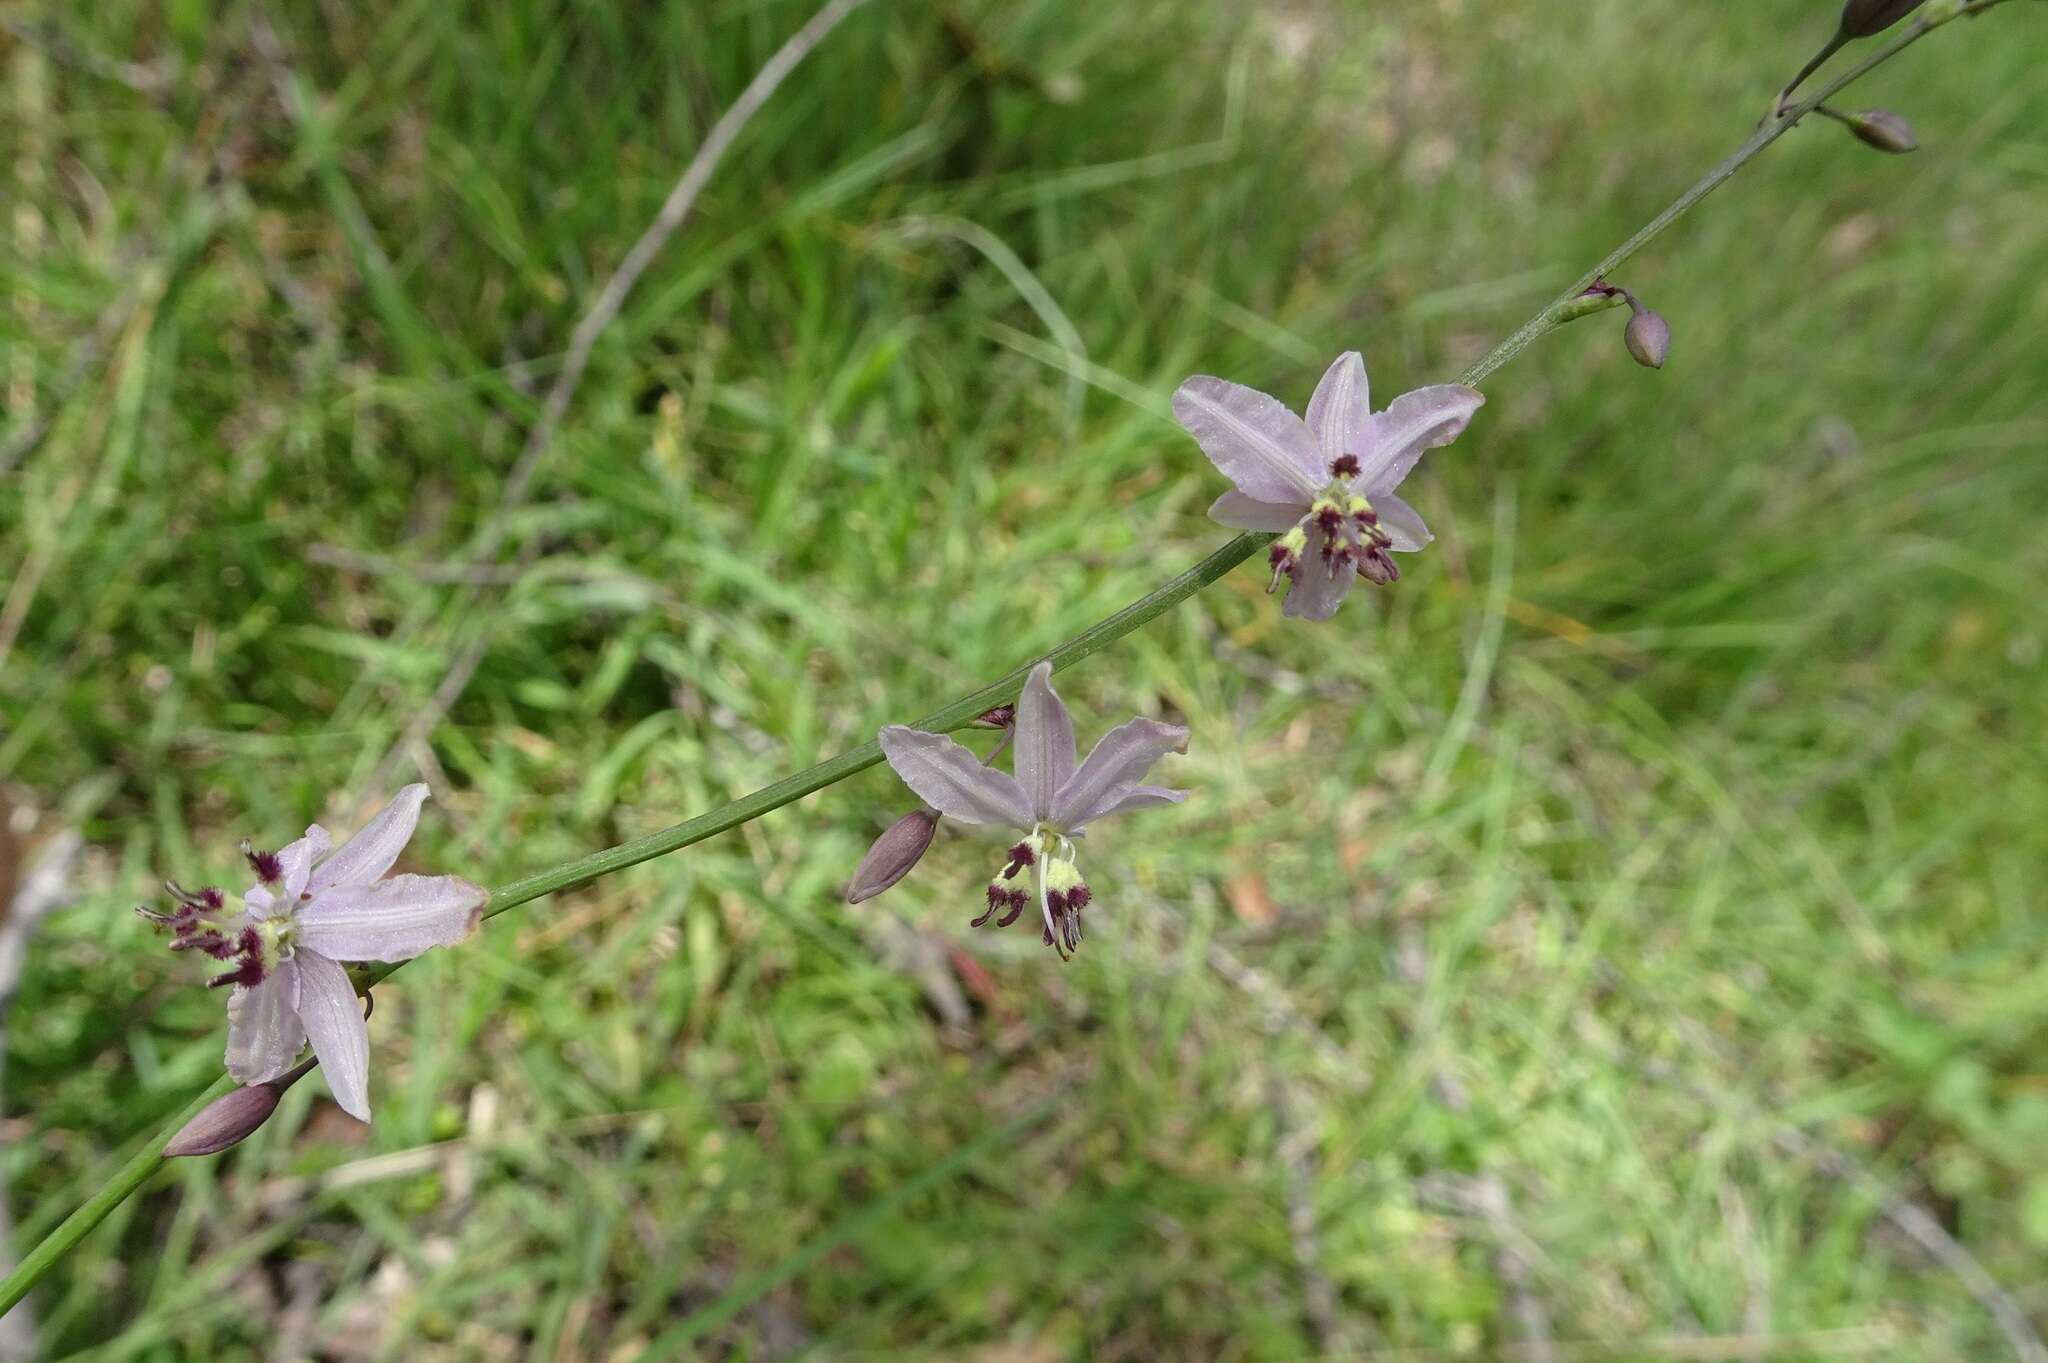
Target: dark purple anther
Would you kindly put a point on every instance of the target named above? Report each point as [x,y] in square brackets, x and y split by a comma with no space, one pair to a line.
[1020,857]
[267,867]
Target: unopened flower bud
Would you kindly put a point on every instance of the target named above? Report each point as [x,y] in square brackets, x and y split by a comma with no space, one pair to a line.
[1882,129]
[901,846]
[1649,339]
[1864,18]
[231,1118]
[1001,717]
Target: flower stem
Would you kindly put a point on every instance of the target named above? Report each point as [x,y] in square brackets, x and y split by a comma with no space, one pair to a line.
[112,1194]
[583,870]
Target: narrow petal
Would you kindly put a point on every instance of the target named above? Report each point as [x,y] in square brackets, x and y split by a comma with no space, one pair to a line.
[952,780]
[264,1034]
[298,858]
[1317,594]
[1340,409]
[1114,769]
[1422,420]
[394,919]
[1240,512]
[1144,797]
[335,1025]
[1257,443]
[371,852]
[1045,741]
[1403,523]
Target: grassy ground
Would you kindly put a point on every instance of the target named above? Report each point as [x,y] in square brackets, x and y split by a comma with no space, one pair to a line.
[1612,933]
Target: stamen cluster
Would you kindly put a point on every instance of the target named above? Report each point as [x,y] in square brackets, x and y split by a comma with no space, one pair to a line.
[201,923]
[1049,856]
[1343,530]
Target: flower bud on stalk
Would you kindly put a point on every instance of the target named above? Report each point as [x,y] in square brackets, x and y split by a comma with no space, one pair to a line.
[1648,338]
[901,846]
[1879,128]
[231,1118]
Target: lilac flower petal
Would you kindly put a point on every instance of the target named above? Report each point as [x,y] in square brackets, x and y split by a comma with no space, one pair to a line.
[394,919]
[1341,408]
[952,780]
[335,1026]
[1403,523]
[1240,512]
[297,860]
[259,901]
[1316,594]
[264,1032]
[1144,797]
[371,851]
[1114,769]
[1422,420]
[1045,741]
[1256,442]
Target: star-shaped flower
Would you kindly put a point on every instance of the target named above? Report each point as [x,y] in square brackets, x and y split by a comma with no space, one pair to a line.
[1328,481]
[1050,800]
[313,908]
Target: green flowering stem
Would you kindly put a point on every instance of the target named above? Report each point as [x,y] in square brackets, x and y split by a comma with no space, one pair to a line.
[583,870]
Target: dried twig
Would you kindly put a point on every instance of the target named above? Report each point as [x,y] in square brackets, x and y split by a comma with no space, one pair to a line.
[43,890]
[610,299]
[1486,1196]
[1913,1220]
[152,79]
[1919,1226]
[1294,1108]
[1854,1340]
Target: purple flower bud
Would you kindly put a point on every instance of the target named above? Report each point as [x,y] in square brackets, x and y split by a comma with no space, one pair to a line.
[230,1119]
[1881,128]
[1865,18]
[901,846]
[1001,717]
[1649,339]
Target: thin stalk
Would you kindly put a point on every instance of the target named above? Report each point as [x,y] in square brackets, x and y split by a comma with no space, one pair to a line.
[1834,45]
[131,1176]
[1004,689]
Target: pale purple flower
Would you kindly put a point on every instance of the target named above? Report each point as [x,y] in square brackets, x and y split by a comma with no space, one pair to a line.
[1051,800]
[314,907]
[1326,483]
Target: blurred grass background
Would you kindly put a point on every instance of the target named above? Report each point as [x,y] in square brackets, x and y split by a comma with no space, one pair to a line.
[1617,934]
